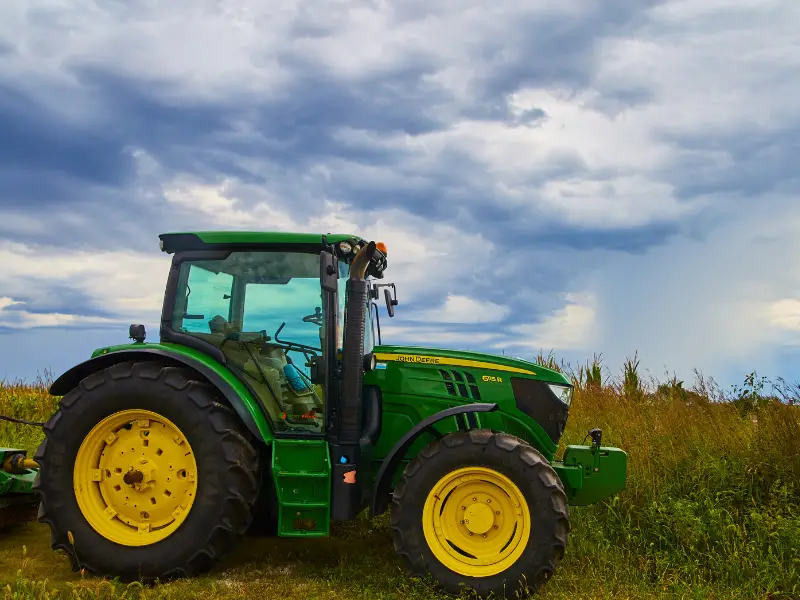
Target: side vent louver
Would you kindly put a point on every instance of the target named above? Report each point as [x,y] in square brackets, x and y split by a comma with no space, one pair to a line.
[461,381]
[448,382]
[473,386]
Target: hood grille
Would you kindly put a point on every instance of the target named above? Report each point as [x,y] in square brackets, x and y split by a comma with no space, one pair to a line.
[459,383]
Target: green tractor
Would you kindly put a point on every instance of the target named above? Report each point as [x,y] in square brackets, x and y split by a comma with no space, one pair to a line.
[270,403]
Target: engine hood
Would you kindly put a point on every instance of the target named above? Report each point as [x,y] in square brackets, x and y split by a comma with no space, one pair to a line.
[460,358]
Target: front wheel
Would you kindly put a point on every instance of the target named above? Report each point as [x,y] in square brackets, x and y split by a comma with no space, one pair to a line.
[483,510]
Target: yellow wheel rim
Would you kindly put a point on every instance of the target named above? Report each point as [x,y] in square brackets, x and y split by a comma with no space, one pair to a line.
[476,522]
[135,477]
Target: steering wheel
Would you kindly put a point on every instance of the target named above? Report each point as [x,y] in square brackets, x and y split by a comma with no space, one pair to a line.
[316,318]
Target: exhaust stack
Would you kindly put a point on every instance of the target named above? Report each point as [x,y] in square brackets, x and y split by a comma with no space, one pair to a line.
[345,448]
[353,350]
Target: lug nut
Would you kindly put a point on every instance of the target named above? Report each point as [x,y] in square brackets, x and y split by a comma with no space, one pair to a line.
[497,512]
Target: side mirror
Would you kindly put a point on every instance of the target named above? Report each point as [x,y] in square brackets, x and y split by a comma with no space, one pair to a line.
[328,271]
[390,302]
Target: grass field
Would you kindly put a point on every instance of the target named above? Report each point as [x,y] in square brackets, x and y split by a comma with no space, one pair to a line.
[712,509]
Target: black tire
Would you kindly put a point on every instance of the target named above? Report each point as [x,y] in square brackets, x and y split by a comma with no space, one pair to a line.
[265,508]
[510,456]
[227,481]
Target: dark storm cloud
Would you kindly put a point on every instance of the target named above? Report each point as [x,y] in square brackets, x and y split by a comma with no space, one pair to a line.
[37,298]
[621,239]
[165,129]
[32,139]
[758,161]
[301,127]
[298,128]
[540,49]
[614,101]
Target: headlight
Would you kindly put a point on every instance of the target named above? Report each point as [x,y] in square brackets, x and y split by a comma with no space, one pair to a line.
[562,392]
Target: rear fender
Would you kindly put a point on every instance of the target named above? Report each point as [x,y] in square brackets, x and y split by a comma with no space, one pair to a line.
[217,375]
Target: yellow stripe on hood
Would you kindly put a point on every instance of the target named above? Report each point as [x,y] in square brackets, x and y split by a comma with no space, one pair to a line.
[443,360]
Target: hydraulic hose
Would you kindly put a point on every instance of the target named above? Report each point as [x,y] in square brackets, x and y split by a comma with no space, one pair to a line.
[22,421]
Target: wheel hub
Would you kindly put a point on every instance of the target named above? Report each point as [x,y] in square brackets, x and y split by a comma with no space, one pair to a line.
[479,518]
[141,476]
[135,477]
[476,521]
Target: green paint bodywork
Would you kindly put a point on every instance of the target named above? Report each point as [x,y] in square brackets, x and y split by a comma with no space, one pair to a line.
[178,241]
[301,470]
[414,391]
[591,474]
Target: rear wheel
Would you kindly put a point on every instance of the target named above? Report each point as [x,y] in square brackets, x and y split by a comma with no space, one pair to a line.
[144,474]
[483,510]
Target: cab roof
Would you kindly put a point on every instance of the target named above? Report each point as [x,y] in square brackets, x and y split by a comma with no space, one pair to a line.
[251,240]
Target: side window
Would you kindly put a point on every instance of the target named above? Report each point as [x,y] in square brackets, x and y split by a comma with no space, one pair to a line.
[289,313]
[208,295]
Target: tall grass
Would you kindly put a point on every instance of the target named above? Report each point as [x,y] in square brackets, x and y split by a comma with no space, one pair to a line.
[712,505]
[713,488]
[29,401]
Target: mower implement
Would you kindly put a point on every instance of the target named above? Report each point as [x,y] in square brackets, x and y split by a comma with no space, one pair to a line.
[270,404]
[18,503]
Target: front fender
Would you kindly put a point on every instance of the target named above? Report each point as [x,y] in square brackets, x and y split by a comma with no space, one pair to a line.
[237,395]
[383,481]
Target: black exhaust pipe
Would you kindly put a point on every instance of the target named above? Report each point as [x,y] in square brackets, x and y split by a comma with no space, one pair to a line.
[346,451]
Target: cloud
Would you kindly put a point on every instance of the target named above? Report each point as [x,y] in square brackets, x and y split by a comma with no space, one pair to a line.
[46,286]
[718,303]
[436,337]
[576,175]
[463,309]
[785,314]
[18,318]
[571,327]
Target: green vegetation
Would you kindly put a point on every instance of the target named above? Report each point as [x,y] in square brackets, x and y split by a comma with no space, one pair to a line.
[712,508]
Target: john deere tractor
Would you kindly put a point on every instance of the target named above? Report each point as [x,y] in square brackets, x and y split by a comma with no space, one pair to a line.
[271,403]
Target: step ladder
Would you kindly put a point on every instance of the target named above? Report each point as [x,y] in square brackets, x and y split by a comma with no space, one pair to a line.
[301,470]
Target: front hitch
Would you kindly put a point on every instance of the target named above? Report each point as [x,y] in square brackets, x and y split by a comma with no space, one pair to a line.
[592,473]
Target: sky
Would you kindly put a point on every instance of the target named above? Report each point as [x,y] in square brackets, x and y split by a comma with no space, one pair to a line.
[579,176]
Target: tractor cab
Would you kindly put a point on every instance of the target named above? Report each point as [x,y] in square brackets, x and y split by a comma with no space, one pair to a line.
[263,309]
